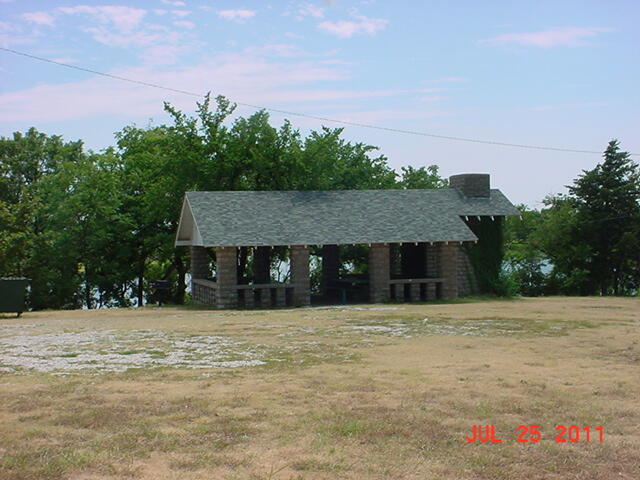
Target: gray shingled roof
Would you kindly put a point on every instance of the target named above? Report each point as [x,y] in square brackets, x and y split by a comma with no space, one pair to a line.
[338,217]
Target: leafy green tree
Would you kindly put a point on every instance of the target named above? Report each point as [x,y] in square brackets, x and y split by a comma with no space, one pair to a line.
[81,244]
[423,177]
[523,256]
[201,153]
[90,228]
[607,201]
[25,232]
[556,237]
[329,162]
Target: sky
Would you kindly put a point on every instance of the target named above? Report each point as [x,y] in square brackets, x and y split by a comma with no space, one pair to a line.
[549,73]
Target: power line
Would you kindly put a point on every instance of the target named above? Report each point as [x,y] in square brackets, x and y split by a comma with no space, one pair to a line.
[304,115]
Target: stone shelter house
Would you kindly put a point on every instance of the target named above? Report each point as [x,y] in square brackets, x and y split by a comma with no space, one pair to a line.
[414,240]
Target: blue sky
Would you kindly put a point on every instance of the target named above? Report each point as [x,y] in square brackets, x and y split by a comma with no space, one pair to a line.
[554,73]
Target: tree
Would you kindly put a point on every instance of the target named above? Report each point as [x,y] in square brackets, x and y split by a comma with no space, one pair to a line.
[590,236]
[423,177]
[523,255]
[26,160]
[89,228]
[607,202]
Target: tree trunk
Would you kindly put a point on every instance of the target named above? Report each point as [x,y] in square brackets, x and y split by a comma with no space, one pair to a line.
[140,293]
[181,268]
[87,294]
[242,264]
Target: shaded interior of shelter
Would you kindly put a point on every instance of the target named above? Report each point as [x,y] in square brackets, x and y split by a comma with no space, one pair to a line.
[248,277]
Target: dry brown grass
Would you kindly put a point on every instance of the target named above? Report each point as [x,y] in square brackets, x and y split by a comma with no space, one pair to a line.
[360,404]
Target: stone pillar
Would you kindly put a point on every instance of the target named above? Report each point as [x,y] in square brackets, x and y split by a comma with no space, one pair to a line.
[448,262]
[431,269]
[467,283]
[227,276]
[330,269]
[300,275]
[379,273]
[199,263]
[262,265]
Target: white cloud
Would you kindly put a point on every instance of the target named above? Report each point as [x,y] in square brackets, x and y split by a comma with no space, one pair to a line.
[175,3]
[568,36]
[121,26]
[12,34]
[232,75]
[181,13]
[382,116]
[431,98]
[123,18]
[277,50]
[310,10]
[347,29]
[142,38]
[160,55]
[39,18]
[239,16]
[184,24]
[563,106]
[449,80]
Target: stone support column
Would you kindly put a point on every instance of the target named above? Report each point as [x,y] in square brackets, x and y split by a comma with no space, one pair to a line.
[379,273]
[227,276]
[448,260]
[431,269]
[199,263]
[300,275]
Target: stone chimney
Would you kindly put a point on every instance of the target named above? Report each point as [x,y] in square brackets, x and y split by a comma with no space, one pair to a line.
[471,184]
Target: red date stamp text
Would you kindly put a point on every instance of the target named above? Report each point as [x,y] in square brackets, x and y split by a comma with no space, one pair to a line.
[533,434]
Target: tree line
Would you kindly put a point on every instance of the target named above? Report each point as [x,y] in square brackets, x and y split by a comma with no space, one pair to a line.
[90,229]
[585,242]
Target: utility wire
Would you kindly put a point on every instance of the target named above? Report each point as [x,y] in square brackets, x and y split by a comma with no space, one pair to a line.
[304,115]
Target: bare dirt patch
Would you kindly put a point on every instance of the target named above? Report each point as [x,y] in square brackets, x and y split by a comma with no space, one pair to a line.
[383,391]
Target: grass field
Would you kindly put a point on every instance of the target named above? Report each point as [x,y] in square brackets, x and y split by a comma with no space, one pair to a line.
[357,392]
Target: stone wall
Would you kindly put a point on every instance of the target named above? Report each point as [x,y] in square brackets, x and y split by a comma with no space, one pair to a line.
[227,276]
[204,292]
[300,275]
[379,273]
[448,265]
[467,284]
[199,263]
[471,184]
